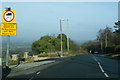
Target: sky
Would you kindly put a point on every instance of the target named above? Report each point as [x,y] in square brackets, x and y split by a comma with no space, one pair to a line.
[36,19]
[60,0]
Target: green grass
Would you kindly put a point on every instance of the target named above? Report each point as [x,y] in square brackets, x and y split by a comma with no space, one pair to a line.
[110,55]
[115,55]
[16,69]
[72,54]
[105,54]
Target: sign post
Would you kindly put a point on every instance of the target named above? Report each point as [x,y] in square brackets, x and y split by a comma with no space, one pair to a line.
[8,27]
[7,54]
[8,15]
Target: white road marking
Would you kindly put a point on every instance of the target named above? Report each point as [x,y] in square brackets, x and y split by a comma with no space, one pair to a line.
[31,78]
[106,74]
[38,73]
[100,67]
[95,59]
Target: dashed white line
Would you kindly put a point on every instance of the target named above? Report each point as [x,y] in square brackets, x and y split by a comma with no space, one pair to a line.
[100,67]
[31,78]
[38,73]
[106,74]
[95,59]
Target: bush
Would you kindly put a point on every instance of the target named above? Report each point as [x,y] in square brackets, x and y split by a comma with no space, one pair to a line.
[117,49]
[44,54]
[13,62]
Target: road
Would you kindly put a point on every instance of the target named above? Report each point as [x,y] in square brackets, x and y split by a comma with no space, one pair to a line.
[0,72]
[82,66]
[0,68]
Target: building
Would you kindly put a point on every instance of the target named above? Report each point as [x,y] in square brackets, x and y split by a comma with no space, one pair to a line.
[14,57]
[26,55]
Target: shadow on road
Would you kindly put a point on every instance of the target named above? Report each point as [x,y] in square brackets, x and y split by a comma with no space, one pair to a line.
[5,72]
[18,63]
[47,59]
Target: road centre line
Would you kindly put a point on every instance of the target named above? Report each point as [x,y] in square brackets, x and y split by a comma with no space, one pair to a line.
[106,75]
[95,59]
[38,73]
[31,78]
[100,67]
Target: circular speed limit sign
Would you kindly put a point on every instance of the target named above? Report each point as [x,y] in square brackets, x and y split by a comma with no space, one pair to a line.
[8,16]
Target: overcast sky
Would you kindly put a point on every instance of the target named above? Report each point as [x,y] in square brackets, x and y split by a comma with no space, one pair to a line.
[36,19]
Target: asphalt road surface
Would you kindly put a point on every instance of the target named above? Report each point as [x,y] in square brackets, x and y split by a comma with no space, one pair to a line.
[82,66]
[0,72]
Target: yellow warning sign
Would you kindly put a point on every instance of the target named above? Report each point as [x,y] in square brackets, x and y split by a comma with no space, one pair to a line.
[8,29]
[9,16]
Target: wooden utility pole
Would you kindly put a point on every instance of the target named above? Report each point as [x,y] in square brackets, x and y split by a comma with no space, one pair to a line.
[106,42]
[68,37]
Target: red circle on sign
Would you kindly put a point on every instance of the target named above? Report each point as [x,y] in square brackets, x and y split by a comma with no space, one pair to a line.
[5,13]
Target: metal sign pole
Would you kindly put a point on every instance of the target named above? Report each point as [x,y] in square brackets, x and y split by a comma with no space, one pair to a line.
[9,27]
[7,54]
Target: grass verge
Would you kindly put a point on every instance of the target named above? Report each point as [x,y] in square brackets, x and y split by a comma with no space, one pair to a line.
[112,56]
[16,69]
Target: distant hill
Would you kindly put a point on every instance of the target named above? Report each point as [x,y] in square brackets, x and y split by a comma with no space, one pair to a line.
[80,41]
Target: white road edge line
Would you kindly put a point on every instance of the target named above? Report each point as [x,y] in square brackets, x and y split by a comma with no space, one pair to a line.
[38,73]
[106,74]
